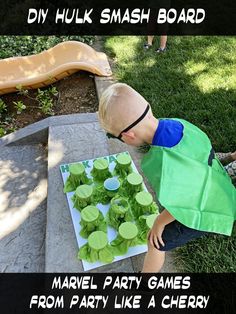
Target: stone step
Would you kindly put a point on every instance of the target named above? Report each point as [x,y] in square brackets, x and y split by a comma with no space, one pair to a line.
[23,192]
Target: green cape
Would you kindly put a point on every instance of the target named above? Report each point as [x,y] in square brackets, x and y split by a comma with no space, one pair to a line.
[191,183]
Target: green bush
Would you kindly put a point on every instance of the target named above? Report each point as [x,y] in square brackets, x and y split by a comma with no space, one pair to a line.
[12,46]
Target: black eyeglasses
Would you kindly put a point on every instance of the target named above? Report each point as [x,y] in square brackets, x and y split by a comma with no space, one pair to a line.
[119,137]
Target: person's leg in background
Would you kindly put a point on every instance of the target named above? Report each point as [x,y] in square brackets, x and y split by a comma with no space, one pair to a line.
[231,169]
[149,42]
[163,41]
[228,160]
[151,28]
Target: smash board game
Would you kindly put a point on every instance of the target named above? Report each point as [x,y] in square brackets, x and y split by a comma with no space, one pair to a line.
[118,237]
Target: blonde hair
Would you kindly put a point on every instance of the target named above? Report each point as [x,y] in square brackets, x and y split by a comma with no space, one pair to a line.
[107,101]
[119,105]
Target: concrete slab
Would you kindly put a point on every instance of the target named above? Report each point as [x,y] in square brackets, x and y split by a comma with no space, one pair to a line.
[23,189]
[32,134]
[67,144]
[23,250]
[38,132]
[73,119]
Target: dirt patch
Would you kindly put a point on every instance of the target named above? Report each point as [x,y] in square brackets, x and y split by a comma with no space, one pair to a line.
[77,94]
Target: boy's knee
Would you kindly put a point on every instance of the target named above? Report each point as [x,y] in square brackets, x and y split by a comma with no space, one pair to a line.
[153,249]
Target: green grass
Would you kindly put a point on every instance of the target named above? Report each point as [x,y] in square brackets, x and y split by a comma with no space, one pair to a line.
[195,80]
[215,253]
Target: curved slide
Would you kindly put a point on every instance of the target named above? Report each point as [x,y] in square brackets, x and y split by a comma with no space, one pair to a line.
[51,65]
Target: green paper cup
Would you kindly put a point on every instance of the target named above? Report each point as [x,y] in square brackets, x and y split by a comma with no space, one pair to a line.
[134,179]
[121,202]
[84,191]
[76,169]
[97,240]
[144,198]
[128,230]
[150,220]
[101,164]
[123,159]
[89,213]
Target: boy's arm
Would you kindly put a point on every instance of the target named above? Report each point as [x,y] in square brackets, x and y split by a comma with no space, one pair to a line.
[155,234]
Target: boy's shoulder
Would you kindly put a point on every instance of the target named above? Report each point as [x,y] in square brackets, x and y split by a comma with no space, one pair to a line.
[168,133]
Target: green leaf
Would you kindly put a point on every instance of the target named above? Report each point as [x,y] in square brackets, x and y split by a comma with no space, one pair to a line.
[102,226]
[120,249]
[93,256]
[2,132]
[83,252]
[68,187]
[106,255]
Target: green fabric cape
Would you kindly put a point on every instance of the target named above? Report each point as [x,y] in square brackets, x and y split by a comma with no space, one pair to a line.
[191,183]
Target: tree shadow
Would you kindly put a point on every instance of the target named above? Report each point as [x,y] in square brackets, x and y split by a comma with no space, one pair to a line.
[23,184]
[23,198]
[194,80]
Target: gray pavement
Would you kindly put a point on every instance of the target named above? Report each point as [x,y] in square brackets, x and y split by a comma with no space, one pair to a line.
[23,192]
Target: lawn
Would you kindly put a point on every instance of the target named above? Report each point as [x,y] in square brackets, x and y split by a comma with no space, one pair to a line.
[195,80]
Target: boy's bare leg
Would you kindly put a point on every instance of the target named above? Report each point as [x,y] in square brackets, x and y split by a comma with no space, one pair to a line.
[153,260]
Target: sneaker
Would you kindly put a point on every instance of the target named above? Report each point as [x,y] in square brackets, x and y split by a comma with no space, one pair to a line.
[147,46]
[160,50]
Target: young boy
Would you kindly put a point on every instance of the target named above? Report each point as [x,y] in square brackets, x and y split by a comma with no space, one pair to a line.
[190,183]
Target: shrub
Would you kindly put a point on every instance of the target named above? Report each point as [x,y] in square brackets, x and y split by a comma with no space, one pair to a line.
[12,46]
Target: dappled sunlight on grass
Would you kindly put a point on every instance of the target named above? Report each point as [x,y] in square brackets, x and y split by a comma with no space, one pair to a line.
[150,62]
[192,68]
[208,81]
[194,80]
[216,70]
[124,45]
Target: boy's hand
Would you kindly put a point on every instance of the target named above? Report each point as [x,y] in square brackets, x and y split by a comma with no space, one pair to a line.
[155,234]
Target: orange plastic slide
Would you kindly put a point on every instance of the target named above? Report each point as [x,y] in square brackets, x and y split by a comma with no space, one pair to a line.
[45,68]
